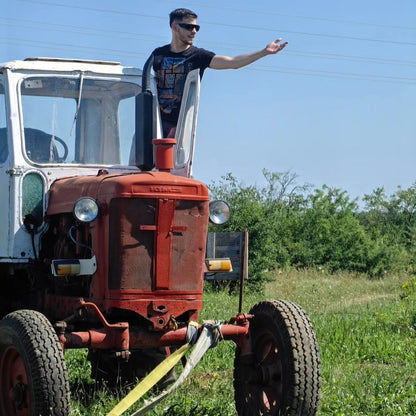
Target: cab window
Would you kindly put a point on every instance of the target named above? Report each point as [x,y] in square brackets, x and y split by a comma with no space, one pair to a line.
[78,120]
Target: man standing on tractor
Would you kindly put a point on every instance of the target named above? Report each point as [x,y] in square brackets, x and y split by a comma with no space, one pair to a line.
[174,61]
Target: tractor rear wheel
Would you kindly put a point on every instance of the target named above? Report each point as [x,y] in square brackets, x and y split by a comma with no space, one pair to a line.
[33,375]
[281,376]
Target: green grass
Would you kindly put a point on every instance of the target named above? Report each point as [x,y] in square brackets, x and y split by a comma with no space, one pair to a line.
[366,329]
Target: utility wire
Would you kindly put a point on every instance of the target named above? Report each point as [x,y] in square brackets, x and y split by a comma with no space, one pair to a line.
[274,30]
[271,13]
[261,68]
[93,31]
[334,74]
[317,54]
[17,41]
[93,9]
[322,55]
[79,30]
[75,29]
[323,35]
[133,36]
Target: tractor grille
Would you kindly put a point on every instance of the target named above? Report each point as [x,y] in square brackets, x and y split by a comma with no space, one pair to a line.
[157,244]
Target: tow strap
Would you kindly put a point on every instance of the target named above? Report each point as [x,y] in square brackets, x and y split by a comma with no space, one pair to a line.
[210,335]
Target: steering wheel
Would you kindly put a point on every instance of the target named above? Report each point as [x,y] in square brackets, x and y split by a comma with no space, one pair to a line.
[65,147]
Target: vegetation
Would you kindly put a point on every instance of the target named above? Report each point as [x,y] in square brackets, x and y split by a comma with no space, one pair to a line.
[297,226]
[366,329]
[351,267]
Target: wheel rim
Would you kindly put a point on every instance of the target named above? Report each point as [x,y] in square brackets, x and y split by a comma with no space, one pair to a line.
[261,378]
[267,384]
[13,384]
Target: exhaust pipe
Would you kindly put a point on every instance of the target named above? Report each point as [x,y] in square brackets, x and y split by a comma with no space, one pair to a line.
[145,121]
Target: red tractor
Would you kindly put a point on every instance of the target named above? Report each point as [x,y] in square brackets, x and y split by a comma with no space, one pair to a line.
[103,244]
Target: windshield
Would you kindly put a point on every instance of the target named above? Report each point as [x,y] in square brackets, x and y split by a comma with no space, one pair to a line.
[80,120]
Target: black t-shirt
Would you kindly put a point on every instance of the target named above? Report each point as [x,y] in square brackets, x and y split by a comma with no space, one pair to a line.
[171,69]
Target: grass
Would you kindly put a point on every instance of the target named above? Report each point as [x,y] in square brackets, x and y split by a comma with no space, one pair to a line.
[366,329]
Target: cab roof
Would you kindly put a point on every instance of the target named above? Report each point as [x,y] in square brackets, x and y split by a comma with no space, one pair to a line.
[64,65]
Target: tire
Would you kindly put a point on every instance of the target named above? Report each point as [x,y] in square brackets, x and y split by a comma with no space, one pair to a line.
[282,375]
[33,375]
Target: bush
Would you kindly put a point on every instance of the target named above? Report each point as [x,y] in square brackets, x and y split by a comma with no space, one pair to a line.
[292,225]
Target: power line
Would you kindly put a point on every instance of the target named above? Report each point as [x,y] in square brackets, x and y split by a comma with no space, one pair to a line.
[59,46]
[324,35]
[93,9]
[274,30]
[80,30]
[353,58]
[250,11]
[334,74]
[120,34]
[322,19]
[320,55]
[101,32]
[261,68]
[140,36]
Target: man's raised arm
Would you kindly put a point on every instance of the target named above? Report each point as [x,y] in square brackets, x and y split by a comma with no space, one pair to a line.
[227,62]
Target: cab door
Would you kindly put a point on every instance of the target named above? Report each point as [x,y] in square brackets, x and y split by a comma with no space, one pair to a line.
[186,127]
[4,175]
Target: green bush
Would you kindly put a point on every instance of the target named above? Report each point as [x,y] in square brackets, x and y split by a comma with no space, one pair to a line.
[292,225]
[266,213]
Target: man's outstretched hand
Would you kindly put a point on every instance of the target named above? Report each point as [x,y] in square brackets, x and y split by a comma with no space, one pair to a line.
[275,46]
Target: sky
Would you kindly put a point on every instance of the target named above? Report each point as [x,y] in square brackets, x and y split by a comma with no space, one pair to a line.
[336,107]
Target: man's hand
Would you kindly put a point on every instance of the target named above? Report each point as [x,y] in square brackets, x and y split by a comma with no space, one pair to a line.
[275,46]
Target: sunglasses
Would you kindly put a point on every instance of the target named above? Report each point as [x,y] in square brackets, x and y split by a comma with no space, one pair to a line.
[189,26]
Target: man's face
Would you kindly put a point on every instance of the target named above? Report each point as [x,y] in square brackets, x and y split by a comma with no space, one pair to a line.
[185,35]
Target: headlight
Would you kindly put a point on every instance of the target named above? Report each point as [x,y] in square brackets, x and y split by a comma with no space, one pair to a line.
[219,212]
[85,209]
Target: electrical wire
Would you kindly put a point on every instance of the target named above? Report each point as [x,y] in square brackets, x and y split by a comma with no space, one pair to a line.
[125,35]
[334,74]
[259,68]
[322,35]
[271,13]
[274,30]
[93,9]
[147,38]
[60,46]
[78,30]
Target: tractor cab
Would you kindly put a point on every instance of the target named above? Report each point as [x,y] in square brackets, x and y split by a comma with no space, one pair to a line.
[62,118]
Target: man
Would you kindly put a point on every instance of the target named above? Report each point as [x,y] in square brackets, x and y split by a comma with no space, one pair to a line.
[174,61]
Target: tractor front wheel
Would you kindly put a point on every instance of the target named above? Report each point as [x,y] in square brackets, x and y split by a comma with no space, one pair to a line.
[33,375]
[281,375]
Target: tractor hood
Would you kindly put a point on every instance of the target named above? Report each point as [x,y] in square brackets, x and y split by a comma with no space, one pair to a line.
[104,187]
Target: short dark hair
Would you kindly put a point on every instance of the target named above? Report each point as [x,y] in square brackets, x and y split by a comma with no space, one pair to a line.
[180,14]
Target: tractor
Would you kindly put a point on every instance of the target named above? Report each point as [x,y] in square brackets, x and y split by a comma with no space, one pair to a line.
[103,244]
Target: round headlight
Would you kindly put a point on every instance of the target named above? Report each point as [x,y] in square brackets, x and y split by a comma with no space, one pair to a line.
[85,209]
[219,212]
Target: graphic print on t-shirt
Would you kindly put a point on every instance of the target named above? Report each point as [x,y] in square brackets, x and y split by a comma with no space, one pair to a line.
[171,80]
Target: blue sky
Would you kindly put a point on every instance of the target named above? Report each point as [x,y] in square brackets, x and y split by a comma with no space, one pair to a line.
[336,107]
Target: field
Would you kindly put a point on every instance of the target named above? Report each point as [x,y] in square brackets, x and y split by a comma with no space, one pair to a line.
[366,329]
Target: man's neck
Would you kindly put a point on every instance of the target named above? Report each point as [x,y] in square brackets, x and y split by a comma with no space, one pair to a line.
[178,47]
